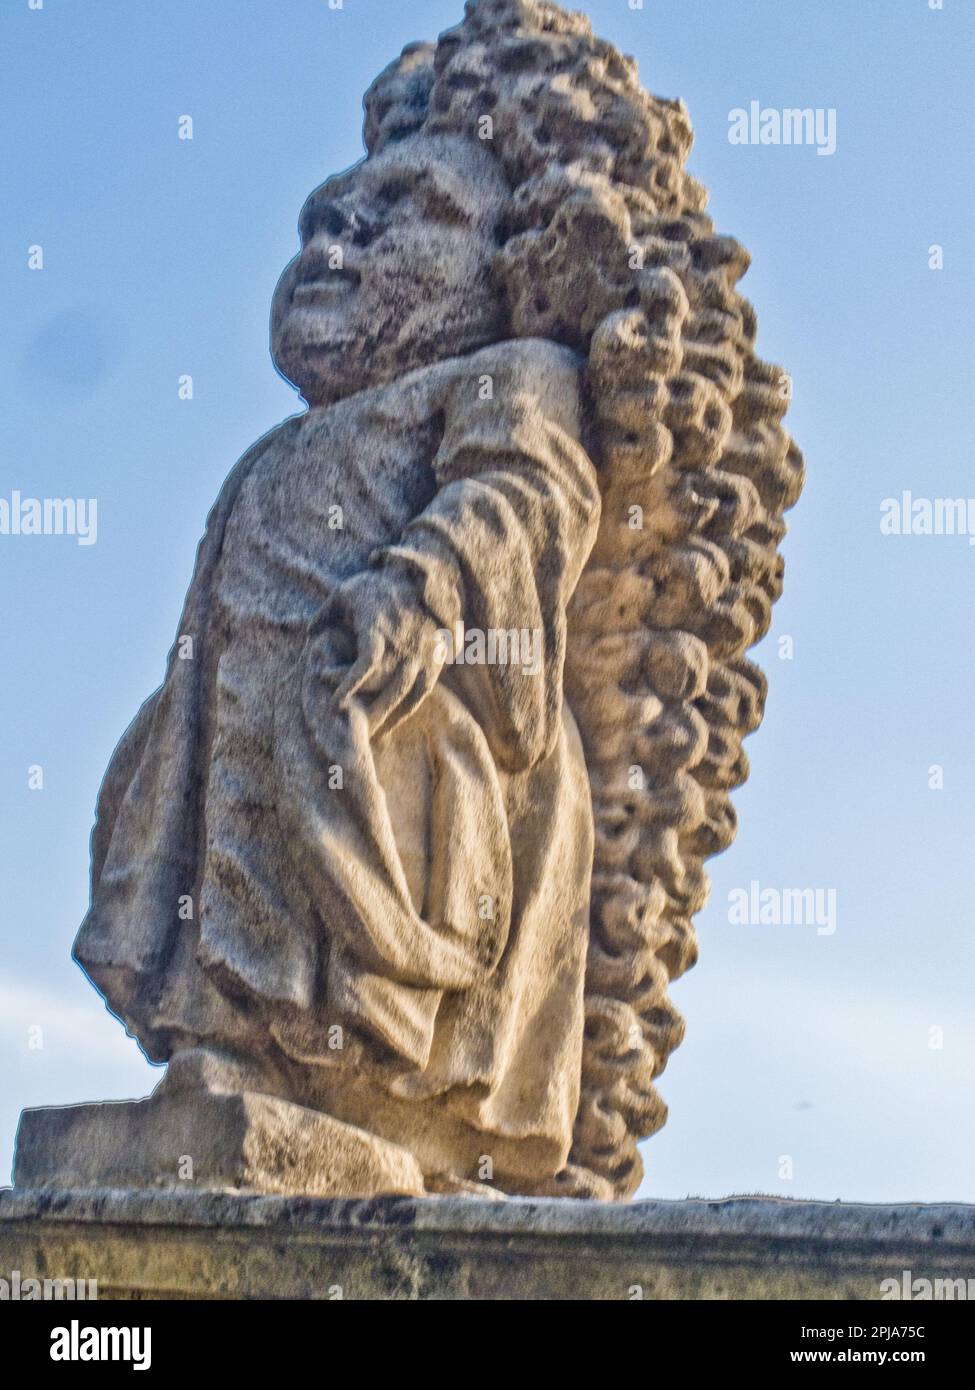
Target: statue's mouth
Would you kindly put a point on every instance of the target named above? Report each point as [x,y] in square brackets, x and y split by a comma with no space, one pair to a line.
[328,286]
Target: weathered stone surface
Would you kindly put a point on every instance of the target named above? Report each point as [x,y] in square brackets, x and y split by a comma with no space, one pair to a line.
[216,1245]
[246,1140]
[413,833]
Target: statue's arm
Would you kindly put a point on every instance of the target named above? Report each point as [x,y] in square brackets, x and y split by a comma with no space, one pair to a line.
[499,549]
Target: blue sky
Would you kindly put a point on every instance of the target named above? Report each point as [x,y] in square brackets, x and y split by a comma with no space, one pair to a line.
[160,257]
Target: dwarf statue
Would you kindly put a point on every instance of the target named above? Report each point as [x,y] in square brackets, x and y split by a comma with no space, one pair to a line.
[395,868]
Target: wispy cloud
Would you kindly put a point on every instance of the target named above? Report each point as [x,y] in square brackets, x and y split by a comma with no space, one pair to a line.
[70,1027]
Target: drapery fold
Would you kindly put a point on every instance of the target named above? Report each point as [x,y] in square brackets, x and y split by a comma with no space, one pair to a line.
[436,901]
[499,549]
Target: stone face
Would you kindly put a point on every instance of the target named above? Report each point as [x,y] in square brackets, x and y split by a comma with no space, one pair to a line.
[401,858]
[215,1245]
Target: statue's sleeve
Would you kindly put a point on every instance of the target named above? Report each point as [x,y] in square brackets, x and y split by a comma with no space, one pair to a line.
[501,546]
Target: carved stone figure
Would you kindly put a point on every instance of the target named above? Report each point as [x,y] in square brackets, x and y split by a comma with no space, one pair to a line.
[395,868]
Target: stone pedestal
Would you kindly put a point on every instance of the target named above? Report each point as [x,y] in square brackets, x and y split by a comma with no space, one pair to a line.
[208,1140]
[192,1244]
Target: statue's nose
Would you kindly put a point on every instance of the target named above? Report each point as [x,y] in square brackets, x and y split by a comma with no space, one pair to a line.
[331,218]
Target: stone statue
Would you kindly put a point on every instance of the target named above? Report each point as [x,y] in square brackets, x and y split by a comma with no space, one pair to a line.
[395,868]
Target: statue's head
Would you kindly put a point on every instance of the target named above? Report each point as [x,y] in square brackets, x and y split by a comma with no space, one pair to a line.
[395,267]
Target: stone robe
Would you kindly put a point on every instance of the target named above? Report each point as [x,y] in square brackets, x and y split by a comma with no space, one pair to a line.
[267,880]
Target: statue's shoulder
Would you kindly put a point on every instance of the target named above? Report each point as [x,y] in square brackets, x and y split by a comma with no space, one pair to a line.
[537,363]
[281,436]
[278,436]
[511,378]
[521,374]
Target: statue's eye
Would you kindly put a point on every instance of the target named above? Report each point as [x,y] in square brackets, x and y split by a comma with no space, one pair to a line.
[392,191]
[441,206]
